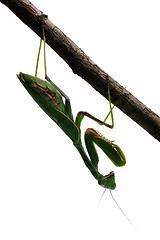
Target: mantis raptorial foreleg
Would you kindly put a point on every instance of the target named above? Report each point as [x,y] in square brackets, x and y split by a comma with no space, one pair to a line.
[50,98]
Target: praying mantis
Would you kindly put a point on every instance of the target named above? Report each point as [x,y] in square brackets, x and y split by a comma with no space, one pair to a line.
[56,104]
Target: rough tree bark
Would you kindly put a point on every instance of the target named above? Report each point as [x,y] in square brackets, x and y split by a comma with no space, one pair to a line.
[83,66]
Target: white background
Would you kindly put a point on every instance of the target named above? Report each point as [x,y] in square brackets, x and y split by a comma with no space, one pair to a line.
[46,192]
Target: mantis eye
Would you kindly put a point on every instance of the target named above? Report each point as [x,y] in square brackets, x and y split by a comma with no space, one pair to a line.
[108,181]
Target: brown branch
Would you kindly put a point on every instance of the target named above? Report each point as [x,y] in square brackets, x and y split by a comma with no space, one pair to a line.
[82,65]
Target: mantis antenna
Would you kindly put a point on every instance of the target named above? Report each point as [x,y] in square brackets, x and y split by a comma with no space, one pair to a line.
[121,209]
[118,207]
[102,195]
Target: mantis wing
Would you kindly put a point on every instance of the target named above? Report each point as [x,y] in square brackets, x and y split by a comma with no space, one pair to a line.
[41,93]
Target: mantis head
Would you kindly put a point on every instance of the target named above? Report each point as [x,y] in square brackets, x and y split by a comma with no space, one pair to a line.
[108,181]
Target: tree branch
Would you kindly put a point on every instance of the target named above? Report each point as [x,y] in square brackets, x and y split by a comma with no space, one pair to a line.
[83,66]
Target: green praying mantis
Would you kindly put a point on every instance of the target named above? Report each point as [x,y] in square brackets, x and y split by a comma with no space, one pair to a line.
[56,105]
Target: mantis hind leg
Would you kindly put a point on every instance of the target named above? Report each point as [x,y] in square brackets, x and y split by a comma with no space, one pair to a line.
[45,65]
[68,109]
